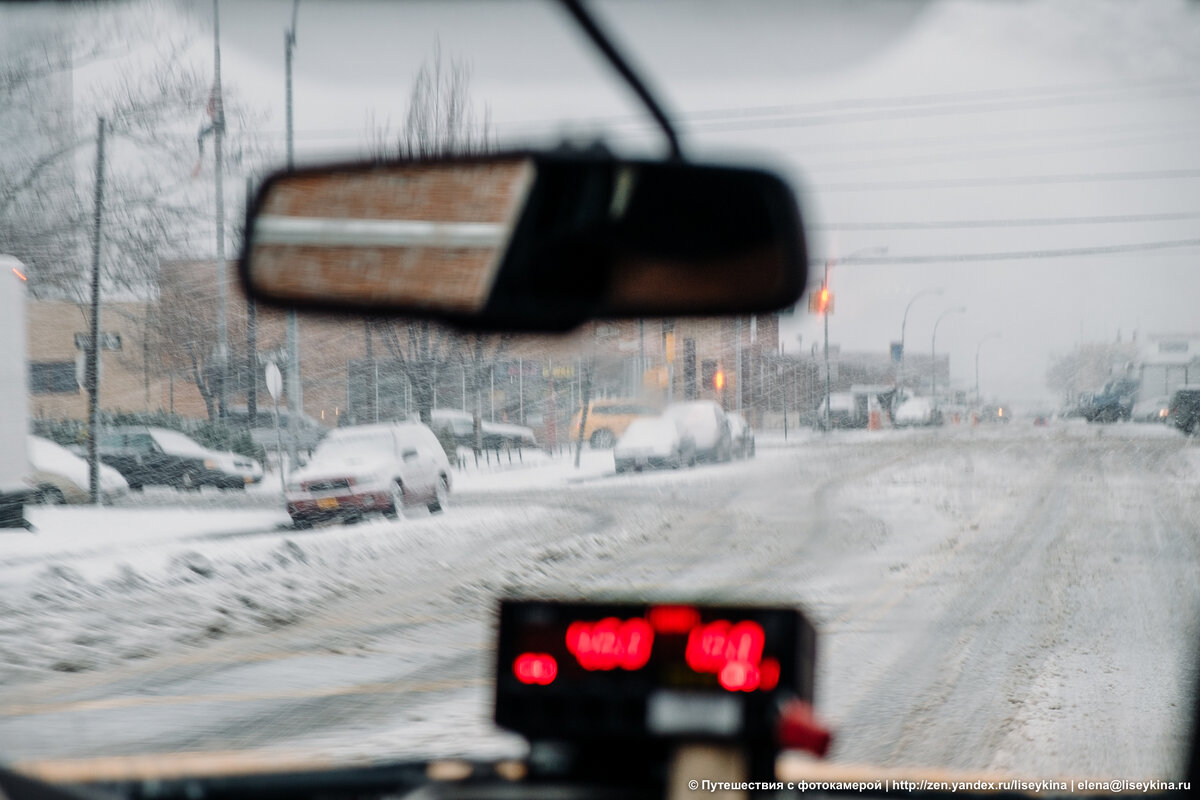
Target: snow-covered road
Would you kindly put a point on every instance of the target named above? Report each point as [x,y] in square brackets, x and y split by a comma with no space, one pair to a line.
[1009,598]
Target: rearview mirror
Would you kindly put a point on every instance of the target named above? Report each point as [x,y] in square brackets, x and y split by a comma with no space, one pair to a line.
[526,241]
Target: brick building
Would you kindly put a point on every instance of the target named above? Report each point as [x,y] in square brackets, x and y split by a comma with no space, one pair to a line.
[159,355]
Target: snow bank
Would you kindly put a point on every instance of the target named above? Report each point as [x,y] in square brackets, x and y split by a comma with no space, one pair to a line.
[94,586]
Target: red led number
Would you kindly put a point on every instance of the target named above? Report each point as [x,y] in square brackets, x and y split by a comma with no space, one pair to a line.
[733,652]
[539,669]
[611,643]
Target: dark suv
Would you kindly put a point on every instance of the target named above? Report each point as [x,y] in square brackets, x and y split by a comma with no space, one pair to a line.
[1185,409]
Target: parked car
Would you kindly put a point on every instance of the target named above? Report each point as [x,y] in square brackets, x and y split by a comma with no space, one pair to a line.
[148,456]
[705,422]
[60,476]
[309,431]
[743,435]
[458,427]
[917,411]
[364,469]
[994,413]
[608,419]
[1185,409]
[654,442]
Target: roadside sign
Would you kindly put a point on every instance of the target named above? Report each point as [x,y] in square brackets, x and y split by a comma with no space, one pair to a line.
[274,381]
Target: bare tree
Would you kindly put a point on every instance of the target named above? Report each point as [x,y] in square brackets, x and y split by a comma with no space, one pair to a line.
[152,202]
[441,121]
[1088,367]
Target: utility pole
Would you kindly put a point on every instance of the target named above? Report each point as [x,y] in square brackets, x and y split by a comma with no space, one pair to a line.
[251,338]
[92,373]
[822,303]
[737,367]
[295,397]
[222,278]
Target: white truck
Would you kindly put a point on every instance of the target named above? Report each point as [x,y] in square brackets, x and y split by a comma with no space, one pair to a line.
[14,397]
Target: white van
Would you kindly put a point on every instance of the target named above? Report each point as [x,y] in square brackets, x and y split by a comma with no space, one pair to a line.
[14,397]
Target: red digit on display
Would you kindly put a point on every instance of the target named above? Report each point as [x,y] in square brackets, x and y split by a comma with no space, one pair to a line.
[611,643]
[734,654]
[539,669]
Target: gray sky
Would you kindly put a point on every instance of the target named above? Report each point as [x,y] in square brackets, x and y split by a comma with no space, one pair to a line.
[892,118]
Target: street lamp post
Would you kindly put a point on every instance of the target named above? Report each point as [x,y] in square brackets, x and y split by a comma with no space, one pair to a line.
[933,352]
[828,376]
[903,325]
[993,335]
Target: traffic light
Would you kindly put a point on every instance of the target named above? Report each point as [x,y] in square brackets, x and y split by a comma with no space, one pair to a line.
[821,301]
[824,299]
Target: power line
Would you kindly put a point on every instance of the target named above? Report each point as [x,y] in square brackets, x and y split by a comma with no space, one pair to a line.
[1020,255]
[1017,180]
[1070,132]
[731,120]
[943,157]
[1031,222]
[804,121]
[1068,92]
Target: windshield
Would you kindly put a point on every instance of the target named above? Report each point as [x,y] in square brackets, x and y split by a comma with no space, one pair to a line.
[1002,199]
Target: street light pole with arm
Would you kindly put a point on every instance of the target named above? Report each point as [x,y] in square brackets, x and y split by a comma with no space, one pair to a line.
[827,298]
[933,352]
[903,325]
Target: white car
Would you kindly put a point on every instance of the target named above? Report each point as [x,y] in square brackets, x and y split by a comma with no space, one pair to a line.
[654,442]
[916,411]
[59,476]
[705,422]
[367,469]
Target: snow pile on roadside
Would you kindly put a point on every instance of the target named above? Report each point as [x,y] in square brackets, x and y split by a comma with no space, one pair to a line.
[68,608]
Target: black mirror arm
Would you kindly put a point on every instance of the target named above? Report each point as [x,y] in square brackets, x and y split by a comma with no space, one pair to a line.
[604,43]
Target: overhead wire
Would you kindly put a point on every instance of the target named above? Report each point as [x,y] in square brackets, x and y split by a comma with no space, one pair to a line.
[1020,255]
[1012,180]
[1016,222]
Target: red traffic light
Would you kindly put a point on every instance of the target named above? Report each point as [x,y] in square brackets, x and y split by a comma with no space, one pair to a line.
[821,301]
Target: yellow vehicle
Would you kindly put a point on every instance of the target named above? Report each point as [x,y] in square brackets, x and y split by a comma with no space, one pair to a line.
[607,420]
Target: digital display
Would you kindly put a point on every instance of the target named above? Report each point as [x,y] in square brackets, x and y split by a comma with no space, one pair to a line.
[587,670]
